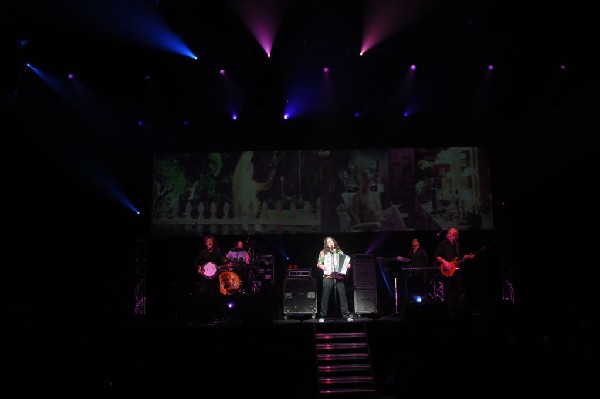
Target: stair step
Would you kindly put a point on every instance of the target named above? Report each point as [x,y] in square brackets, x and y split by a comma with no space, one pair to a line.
[331,368]
[344,335]
[334,391]
[342,356]
[346,379]
[343,364]
[342,345]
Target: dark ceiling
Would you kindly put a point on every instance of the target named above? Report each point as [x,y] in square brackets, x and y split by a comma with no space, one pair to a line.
[543,83]
[109,48]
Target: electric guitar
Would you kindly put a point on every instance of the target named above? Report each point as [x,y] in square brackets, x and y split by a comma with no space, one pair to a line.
[454,264]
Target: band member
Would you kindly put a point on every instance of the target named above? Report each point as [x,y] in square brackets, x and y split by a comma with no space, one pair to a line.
[207,262]
[240,258]
[238,254]
[419,259]
[448,252]
[209,257]
[418,255]
[334,274]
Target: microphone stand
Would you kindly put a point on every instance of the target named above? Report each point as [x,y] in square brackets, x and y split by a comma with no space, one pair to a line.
[335,293]
[396,313]
[336,274]
[250,251]
[404,277]
[334,265]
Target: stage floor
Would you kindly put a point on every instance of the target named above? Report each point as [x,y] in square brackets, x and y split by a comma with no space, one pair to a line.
[264,355]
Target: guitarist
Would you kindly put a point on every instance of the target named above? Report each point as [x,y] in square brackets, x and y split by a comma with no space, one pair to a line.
[449,254]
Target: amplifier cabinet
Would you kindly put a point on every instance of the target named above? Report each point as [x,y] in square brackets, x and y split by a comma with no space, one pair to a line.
[299,296]
[299,273]
[363,272]
[365,301]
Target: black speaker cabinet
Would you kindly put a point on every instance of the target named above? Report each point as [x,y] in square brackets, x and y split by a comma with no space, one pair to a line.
[365,301]
[363,271]
[299,296]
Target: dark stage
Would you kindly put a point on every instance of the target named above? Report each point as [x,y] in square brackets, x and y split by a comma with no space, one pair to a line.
[422,350]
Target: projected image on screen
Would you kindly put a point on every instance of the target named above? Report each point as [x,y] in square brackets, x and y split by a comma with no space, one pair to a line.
[312,191]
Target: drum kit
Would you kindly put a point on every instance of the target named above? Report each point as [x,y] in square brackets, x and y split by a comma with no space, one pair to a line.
[235,277]
[242,277]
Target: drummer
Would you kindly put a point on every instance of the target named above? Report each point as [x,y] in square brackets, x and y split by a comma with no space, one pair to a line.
[238,254]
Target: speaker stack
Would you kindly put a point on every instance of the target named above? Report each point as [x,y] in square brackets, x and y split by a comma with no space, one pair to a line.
[365,284]
[299,293]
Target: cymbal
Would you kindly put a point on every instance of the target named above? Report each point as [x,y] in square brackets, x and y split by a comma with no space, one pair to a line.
[402,259]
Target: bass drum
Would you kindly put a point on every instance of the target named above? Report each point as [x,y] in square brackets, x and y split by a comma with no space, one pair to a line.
[229,283]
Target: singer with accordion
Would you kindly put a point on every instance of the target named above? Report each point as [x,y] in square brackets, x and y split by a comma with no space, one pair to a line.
[335,265]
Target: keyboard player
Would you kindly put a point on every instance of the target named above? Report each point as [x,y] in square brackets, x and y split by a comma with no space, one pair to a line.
[417,255]
[416,272]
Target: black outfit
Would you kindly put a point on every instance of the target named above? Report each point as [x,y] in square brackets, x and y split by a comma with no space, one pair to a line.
[415,283]
[454,286]
[207,289]
[418,258]
[331,280]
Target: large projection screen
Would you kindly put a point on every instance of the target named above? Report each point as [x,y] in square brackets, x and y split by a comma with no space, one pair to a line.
[321,191]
